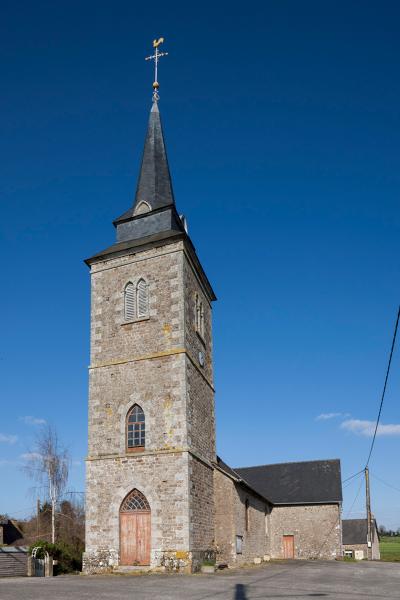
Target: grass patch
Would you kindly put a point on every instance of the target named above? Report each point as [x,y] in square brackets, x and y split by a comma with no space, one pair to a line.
[390,548]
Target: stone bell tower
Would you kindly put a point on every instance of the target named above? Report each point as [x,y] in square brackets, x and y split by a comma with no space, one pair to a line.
[149,479]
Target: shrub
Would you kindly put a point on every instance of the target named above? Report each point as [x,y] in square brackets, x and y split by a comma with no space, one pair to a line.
[69,558]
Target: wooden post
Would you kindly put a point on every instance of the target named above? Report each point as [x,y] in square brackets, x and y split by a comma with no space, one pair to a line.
[368,503]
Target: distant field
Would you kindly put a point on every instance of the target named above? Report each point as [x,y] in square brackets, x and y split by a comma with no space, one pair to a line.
[390,548]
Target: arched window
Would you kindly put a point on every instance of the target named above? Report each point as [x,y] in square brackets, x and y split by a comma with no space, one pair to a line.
[142,208]
[199,316]
[129,301]
[142,300]
[197,313]
[135,428]
[246,516]
[201,328]
[135,500]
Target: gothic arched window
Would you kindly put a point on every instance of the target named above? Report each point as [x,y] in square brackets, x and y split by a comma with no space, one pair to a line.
[142,208]
[142,299]
[129,302]
[135,500]
[135,428]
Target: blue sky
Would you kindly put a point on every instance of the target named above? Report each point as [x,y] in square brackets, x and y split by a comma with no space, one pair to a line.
[282,128]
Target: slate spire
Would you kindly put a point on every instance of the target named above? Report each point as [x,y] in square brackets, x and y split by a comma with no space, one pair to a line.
[154,187]
[154,184]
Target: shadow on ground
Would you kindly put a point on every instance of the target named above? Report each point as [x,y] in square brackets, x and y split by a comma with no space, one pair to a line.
[240,593]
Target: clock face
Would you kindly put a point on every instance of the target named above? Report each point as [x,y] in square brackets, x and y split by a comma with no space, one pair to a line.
[201,359]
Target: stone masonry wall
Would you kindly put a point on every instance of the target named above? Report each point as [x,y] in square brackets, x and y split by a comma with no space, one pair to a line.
[256,539]
[201,489]
[157,385]
[163,479]
[230,521]
[355,547]
[316,530]
[225,529]
[195,342]
[147,362]
[113,339]
[200,392]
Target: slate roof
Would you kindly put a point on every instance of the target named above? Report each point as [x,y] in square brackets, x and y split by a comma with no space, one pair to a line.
[234,475]
[227,469]
[151,240]
[355,531]
[311,482]
[154,183]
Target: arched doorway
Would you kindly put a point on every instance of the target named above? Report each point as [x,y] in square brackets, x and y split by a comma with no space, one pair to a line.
[135,530]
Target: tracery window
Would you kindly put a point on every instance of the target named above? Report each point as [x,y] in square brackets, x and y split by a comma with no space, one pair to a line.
[135,500]
[135,428]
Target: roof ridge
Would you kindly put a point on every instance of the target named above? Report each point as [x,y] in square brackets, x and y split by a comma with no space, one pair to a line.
[293,462]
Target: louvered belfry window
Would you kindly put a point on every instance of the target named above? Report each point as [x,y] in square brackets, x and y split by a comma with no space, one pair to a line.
[135,428]
[142,300]
[197,310]
[129,302]
[201,328]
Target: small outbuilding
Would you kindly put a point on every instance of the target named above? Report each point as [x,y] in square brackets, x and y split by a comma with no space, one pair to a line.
[355,539]
[9,532]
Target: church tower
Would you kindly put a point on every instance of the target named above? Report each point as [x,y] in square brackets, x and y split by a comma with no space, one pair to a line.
[149,478]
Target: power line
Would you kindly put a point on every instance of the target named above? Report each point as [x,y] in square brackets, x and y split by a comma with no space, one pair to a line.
[386,483]
[352,476]
[355,499]
[384,387]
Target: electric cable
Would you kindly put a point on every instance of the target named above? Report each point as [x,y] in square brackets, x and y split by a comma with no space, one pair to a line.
[384,388]
[386,483]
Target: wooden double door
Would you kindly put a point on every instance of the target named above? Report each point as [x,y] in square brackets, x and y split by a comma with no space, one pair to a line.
[135,537]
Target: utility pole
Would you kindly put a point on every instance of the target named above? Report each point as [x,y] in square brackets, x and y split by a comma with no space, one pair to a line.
[369,520]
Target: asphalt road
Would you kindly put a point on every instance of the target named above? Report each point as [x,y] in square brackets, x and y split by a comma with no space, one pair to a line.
[297,580]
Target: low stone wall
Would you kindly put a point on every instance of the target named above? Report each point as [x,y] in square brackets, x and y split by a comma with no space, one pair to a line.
[101,560]
[172,561]
[316,530]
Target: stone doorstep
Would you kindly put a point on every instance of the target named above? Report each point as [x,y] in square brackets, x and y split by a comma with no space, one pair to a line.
[133,569]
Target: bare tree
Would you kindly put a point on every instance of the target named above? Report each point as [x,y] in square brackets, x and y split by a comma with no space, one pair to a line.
[48,464]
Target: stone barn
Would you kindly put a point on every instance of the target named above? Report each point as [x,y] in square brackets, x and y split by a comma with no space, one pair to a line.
[355,539]
[306,499]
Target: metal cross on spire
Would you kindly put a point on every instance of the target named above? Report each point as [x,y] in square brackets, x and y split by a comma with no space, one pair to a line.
[156,57]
